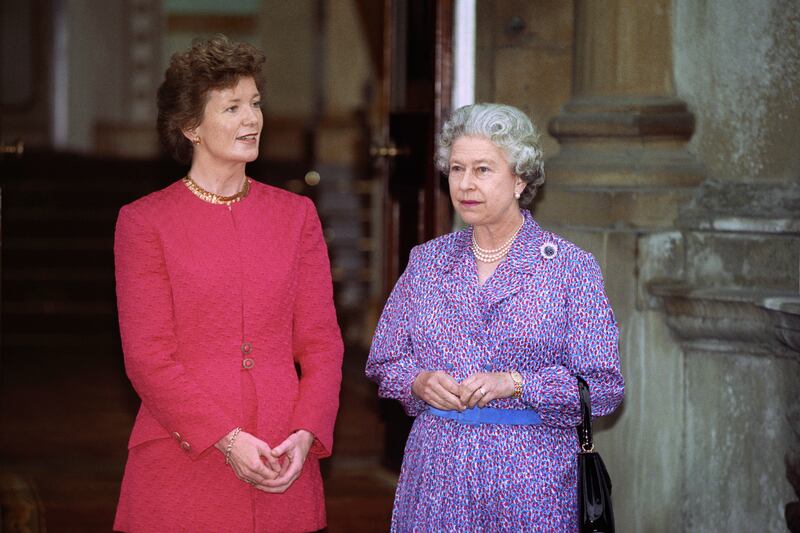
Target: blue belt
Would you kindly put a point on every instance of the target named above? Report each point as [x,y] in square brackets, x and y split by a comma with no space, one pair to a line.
[491,415]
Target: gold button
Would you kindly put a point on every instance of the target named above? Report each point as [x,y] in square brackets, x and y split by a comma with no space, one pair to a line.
[248,363]
[247,348]
[186,446]
[176,436]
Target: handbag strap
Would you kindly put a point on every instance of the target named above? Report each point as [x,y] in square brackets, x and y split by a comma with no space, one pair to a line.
[585,427]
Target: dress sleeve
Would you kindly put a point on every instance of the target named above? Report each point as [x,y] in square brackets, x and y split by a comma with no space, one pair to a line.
[591,352]
[392,363]
[316,339]
[149,344]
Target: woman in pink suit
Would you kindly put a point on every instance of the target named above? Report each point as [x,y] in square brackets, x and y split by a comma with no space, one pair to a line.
[223,287]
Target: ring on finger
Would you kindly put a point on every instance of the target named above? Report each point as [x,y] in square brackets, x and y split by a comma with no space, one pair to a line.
[483,392]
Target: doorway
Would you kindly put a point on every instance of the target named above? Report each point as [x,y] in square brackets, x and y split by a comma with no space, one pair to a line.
[414,99]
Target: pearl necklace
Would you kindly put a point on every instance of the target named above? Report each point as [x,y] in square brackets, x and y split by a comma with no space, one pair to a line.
[493,256]
[212,198]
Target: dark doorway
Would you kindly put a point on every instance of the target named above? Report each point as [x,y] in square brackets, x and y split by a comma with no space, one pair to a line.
[415,96]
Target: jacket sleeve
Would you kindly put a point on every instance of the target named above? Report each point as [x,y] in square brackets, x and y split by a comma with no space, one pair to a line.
[316,338]
[591,352]
[392,363]
[144,302]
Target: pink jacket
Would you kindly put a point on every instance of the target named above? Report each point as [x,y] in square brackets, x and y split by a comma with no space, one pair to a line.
[216,305]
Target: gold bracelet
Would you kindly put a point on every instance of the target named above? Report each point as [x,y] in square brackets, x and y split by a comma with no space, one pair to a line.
[230,445]
[516,377]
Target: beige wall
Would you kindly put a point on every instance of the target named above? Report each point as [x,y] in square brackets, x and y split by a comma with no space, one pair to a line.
[98,86]
[288,34]
[303,59]
[287,38]
[524,54]
[348,71]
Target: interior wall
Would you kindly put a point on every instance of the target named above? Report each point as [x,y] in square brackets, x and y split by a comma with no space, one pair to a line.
[186,20]
[287,31]
[104,61]
[96,59]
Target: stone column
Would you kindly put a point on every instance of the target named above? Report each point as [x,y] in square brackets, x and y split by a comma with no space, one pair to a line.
[624,128]
[703,279]
[615,188]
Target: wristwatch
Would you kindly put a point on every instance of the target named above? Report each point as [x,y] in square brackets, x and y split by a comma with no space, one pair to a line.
[517,378]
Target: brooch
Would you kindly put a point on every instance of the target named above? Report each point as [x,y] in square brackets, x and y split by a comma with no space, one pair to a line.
[549,250]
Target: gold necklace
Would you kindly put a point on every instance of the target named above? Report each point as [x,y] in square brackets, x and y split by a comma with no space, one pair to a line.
[492,256]
[212,198]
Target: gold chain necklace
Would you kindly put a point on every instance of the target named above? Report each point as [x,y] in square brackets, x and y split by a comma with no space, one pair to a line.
[212,198]
[492,256]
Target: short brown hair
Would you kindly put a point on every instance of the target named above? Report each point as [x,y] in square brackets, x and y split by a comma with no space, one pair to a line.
[216,63]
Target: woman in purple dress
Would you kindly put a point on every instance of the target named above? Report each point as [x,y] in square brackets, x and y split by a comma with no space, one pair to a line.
[482,339]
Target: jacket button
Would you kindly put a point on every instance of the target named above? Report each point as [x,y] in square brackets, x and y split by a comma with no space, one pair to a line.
[176,436]
[186,446]
[248,363]
[247,348]
[488,367]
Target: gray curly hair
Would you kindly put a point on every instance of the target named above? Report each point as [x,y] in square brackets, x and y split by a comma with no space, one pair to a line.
[509,129]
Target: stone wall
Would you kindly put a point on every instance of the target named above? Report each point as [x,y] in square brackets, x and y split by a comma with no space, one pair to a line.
[677,167]
[737,64]
[736,309]
[524,57]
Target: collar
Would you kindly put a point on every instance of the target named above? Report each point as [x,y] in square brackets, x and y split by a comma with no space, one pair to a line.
[511,275]
[522,257]
[526,253]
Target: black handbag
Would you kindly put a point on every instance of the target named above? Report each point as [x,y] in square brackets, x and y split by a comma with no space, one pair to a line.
[595,513]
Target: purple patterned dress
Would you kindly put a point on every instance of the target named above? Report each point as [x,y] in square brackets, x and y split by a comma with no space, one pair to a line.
[544,313]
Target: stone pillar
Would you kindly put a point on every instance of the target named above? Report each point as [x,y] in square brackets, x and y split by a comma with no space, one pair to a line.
[734,303]
[615,189]
[700,261]
[624,127]
[622,48]
[734,306]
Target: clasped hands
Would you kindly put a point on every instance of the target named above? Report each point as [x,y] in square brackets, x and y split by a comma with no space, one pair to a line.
[267,469]
[442,391]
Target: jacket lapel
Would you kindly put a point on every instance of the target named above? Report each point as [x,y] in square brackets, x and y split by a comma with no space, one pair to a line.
[459,276]
[517,270]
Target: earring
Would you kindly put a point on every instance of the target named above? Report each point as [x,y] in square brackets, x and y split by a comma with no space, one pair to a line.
[516,195]
[196,141]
